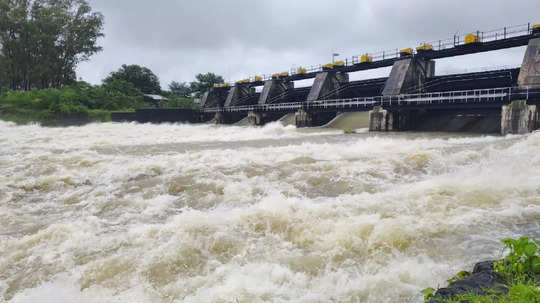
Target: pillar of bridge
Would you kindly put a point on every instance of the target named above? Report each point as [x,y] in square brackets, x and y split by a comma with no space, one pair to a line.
[327,85]
[214,97]
[276,91]
[227,117]
[519,117]
[408,76]
[304,118]
[255,118]
[380,120]
[239,95]
[261,118]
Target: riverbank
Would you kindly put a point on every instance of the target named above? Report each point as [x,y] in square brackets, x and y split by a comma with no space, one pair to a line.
[48,118]
[514,279]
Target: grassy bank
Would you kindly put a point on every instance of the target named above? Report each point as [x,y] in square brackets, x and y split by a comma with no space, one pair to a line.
[72,105]
[518,275]
[49,118]
[76,104]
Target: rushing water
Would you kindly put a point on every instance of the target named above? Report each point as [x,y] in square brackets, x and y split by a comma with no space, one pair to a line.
[201,213]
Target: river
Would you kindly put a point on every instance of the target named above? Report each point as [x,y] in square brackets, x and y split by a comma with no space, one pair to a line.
[120,212]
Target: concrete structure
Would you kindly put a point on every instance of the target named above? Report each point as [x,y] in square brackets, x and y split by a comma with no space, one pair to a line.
[215,97]
[518,117]
[307,118]
[328,85]
[276,91]
[408,76]
[411,98]
[240,95]
[380,119]
[303,118]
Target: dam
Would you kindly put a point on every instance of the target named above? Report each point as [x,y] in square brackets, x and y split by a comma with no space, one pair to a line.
[412,97]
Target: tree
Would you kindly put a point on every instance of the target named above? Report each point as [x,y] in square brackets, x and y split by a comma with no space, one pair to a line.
[181,90]
[43,41]
[204,82]
[142,78]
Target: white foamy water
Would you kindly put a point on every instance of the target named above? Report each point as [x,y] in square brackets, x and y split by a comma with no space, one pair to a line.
[199,213]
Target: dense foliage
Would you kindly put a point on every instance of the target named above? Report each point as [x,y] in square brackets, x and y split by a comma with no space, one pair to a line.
[42,41]
[520,269]
[41,44]
[77,100]
[181,90]
[204,82]
[140,77]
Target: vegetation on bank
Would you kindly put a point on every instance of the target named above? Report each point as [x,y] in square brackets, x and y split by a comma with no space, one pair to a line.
[520,270]
[41,44]
[78,103]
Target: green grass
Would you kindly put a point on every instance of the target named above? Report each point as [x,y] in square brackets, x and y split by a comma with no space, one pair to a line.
[528,292]
[520,269]
[48,118]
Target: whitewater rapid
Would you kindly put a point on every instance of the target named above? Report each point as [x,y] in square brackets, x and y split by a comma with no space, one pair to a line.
[120,212]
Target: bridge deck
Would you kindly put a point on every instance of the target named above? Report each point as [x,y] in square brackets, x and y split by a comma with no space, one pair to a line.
[507,37]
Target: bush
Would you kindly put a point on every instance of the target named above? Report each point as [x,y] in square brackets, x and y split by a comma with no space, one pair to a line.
[80,99]
[520,270]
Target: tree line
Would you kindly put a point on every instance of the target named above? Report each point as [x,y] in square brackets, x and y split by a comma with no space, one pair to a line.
[43,41]
[41,44]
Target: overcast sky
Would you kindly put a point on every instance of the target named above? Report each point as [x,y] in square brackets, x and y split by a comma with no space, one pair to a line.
[240,38]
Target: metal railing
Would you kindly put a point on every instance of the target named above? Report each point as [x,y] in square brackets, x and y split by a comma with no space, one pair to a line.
[492,95]
[438,45]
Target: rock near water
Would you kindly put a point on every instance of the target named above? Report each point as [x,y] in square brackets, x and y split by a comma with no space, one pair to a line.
[482,279]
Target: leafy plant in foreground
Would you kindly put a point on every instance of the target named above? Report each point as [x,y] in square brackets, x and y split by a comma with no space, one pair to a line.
[523,261]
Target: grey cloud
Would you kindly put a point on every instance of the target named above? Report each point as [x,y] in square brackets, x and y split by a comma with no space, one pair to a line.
[239,38]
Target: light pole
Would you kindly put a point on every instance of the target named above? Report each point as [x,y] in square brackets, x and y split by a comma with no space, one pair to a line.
[334,55]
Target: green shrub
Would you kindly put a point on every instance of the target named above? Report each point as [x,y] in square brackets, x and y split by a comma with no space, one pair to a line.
[520,269]
[78,100]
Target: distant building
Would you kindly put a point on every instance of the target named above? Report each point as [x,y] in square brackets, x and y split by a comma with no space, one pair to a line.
[156,100]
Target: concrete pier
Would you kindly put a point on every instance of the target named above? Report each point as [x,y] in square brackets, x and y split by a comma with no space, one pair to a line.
[305,118]
[239,95]
[380,120]
[276,91]
[408,76]
[261,118]
[518,117]
[215,97]
[529,75]
[227,118]
[327,85]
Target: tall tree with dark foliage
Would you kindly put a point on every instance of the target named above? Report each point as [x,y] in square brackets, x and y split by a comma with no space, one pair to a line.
[43,41]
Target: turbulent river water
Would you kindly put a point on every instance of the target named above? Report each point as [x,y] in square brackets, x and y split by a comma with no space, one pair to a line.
[201,213]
